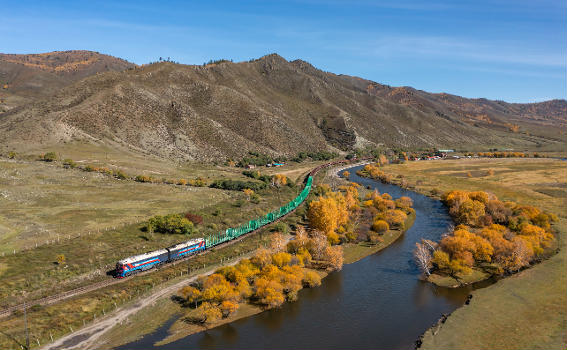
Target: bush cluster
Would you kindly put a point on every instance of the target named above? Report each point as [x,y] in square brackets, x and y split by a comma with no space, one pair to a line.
[171,223]
[237,185]
[388,213]
[373,171]
[268,279]
[321,155]
[491,231]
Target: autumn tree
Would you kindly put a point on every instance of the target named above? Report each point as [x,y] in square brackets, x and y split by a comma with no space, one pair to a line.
[269,292]
[61,259]
[393,217]
[300,240]
[346,174]
[208,313]
[227,308]
[261,258]
[190,294]
[404,203]
[248,192]
[278,242]
[281,259]
[311,279]
[318,244]
[217,289]
[328,213]
[334,257]
[380,226]
[470,211]
[279,180]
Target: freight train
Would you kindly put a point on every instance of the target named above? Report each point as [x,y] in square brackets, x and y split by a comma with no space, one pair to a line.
[143,262]
[146,261]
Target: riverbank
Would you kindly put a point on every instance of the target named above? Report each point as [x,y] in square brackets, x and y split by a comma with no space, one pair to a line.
[352,253]
[177,328]
[180,328]
[532,300]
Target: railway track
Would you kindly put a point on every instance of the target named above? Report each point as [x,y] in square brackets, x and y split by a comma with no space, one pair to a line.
[109,282]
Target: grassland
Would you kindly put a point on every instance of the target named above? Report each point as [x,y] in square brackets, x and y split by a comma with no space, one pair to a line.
[40,195]
[527,310]
[89,257]
[71,314]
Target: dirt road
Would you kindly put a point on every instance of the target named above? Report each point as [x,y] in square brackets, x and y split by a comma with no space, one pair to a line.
[88,337]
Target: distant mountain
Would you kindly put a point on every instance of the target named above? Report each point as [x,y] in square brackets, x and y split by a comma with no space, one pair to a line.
[24,78]
[269,105]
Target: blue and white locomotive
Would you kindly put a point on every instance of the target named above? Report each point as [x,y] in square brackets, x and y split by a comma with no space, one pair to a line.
[146,261]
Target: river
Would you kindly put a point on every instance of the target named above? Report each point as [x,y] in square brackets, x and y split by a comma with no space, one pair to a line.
[377,302]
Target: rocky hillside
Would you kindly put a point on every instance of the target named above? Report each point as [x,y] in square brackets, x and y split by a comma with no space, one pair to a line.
[24,78]
[269,105]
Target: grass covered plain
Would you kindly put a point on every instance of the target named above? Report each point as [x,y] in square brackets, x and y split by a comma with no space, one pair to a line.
[69,194]
[527,310]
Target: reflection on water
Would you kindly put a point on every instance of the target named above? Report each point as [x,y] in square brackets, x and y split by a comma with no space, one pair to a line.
[377,302]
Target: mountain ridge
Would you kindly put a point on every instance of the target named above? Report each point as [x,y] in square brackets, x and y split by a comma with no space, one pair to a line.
[27,77]
[271,105]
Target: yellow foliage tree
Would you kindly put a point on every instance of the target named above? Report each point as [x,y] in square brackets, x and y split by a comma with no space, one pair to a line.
[279,180]
[190,294]
[227,308]
[61,259]
[248,192]
[261,258]
[281,259]
[208,313]
[334,256]
[328,213]
[269,292]
[311,279]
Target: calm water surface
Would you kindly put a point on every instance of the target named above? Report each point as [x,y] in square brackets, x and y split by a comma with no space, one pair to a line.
[377,302]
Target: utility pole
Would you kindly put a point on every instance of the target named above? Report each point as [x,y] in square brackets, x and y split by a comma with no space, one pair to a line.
[26,324]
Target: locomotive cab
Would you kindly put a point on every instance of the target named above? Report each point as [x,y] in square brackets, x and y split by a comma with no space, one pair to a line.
[119,270]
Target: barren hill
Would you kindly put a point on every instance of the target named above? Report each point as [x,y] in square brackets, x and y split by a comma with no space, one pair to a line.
[272,106]
[29,76]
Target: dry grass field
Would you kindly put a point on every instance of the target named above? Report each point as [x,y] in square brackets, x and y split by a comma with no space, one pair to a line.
[524,311]
[43,199]
[45,202]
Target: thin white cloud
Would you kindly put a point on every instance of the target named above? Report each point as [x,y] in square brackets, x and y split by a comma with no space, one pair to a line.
[449,47]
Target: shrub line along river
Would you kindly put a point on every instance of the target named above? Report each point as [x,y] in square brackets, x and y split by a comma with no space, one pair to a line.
[376,302]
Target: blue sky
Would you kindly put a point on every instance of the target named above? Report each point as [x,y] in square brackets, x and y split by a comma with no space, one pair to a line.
[509,50]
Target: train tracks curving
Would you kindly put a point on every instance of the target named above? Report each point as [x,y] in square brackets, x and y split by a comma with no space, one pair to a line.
[108,282]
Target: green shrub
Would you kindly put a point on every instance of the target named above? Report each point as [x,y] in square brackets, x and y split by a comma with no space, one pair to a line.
[49,157]
[237,185]
[69,163]
[143,178]
[172,223]
[119,174]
